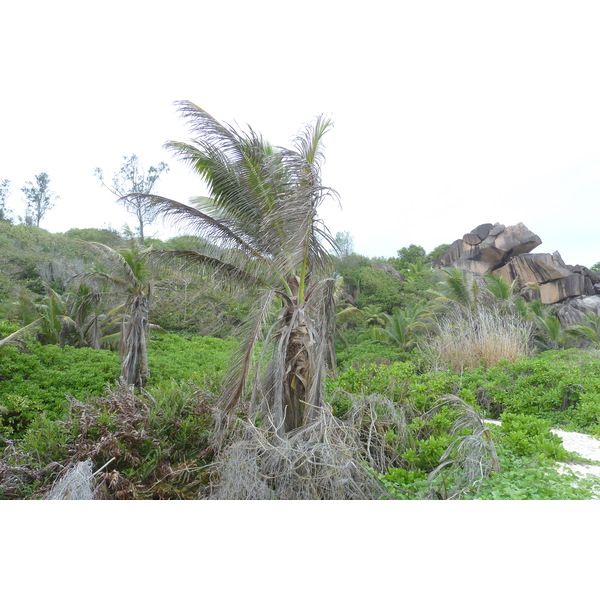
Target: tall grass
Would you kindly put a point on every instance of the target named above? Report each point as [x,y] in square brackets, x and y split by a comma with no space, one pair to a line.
[483,336]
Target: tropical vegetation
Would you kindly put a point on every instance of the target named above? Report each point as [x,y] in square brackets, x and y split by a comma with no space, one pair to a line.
[257,356]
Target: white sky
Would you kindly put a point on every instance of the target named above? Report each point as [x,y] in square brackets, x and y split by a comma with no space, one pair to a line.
[447,114]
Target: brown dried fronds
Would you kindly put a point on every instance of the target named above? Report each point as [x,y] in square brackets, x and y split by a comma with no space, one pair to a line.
[113,425]
[15,471]
[114,485]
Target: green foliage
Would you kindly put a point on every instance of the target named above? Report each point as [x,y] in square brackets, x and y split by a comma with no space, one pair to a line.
[404,326]
[32,259]
[345,243]
[526,435]
[379,288]
[588,329]
[38,199]
[437,252]
[527,479]
[562,387]
[39,380]
[4,194]
[349,267]
[202,360]
[359,355]
[408,256]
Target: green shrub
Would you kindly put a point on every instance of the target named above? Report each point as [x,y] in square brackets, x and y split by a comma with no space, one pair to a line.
[561,386]
[525,435]
[40,378]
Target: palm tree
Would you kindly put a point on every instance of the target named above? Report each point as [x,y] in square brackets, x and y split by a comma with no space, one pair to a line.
[458,287]
[49,317]
[404,325]
[127,274]
[588,329]
[260,227]
[374,316]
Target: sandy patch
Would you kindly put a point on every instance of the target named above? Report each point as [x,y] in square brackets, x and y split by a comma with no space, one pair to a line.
[585,445]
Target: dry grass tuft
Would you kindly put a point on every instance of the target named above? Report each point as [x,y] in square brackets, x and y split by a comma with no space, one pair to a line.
[17,472]
[474,338]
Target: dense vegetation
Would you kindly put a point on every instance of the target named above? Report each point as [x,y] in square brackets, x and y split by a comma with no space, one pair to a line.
[61,403]
[202,366]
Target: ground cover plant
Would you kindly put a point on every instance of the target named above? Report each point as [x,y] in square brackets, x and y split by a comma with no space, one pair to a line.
[160,442]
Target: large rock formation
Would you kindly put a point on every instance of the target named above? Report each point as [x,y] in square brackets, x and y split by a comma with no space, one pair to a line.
[488,247]
[506,251]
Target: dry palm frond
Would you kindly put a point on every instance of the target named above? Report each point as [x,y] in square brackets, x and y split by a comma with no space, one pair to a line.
[470,458]
[373,418]
[321,460]
[17,336]
[16,471]
[76,483]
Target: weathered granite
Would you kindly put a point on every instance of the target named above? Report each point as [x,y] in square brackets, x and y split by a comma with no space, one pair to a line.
[507,251]
[389,270]
[490,244]
[573,310]
[534,268]
[558,290]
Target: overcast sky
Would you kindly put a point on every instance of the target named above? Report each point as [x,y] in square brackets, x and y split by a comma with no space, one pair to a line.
[447,114]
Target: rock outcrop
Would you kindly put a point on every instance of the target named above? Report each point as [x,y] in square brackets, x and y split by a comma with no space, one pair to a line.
[572,311]
[507,251]
[389,270]
[488,247]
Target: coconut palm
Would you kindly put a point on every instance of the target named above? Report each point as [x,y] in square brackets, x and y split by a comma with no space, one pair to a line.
[127,275]
[459,287]
[404,325]
[588,329]
[260,227]
[49,317]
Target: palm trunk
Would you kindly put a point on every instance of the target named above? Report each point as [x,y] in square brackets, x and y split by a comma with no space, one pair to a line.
[303,365]
[133,345]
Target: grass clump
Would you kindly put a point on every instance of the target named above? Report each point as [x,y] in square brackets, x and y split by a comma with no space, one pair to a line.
[471,338]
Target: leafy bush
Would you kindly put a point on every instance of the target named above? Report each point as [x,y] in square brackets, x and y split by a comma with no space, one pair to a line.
[561,386]
[40,378]
[525,435]
[203,360]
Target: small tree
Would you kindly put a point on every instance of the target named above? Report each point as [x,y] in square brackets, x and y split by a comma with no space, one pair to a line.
[345,243]
[4,193]
[132,179]
[38,199]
